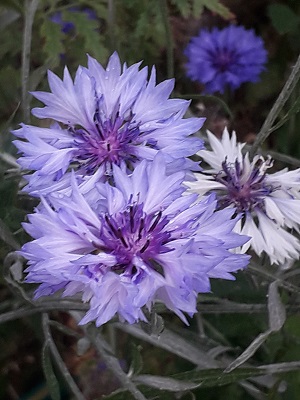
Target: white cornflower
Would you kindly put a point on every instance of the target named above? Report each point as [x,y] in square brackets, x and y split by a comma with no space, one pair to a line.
[268,204]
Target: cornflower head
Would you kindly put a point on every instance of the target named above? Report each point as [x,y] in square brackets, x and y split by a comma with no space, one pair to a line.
[142,241]
[268,203]
[225,58]
[106,117]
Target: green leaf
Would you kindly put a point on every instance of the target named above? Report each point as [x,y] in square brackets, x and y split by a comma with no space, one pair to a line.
[250,350]
[292,325]
[155,326]
[217,7]
[7,17]
[7,236]
[283,18]
[203,378]
[15,4]
[163,383]
[293,110]
[100,9]
[136,359]
[89,30]
[52,382]
[9,83]
[53,46]
[197,8]
[173,343]
[277,313]
[183,7]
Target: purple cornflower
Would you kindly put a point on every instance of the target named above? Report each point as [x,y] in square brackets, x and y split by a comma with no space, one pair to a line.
[141,241]
[225,58]
[105,118]
[268,204]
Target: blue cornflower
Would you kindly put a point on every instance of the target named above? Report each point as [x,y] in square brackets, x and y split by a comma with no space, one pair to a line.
[68,26]
[225,58]
[142,240]
[268,203]
[106,117]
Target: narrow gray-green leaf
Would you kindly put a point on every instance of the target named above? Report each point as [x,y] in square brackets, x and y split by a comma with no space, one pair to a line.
[251,349]
[7,17]
[136,360]
[155,326]
[52,382]
[7,236]
[213,378]
[165,383]
[173,343]
[58,359]
[277,313]
[13,261]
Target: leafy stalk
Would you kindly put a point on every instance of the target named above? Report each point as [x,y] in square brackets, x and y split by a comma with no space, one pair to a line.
[59,361]
[112,362]
[267,127]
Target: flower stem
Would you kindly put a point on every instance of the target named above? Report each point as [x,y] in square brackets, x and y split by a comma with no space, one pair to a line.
[112,362]
[41,307]
[266,129]
[59,361]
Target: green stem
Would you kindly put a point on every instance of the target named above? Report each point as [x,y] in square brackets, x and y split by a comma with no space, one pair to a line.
[59,361]
[30,7]
[42,307]
[266,129]
[112,362]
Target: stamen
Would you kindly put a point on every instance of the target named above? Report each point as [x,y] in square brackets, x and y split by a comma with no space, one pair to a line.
[245,189]
[152,227]
[146,245]
[133,233]
[142,224]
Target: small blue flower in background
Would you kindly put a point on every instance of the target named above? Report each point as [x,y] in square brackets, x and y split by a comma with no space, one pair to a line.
[67,26]
[142,240]
[268,203]
[106,117]
[225,58]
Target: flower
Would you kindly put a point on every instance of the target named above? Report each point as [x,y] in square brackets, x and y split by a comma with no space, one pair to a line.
[268,204]
[142,241]
[225,58]
[68,26]
[105,118]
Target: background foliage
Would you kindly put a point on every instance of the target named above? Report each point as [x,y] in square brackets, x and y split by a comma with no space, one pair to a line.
[245,341]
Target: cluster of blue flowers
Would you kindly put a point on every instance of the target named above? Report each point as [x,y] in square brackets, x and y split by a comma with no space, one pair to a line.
[122,220]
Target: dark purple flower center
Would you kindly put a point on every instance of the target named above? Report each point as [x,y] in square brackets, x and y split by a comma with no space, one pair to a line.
[223,59]
[245,190]
[111,142]
[134,234]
